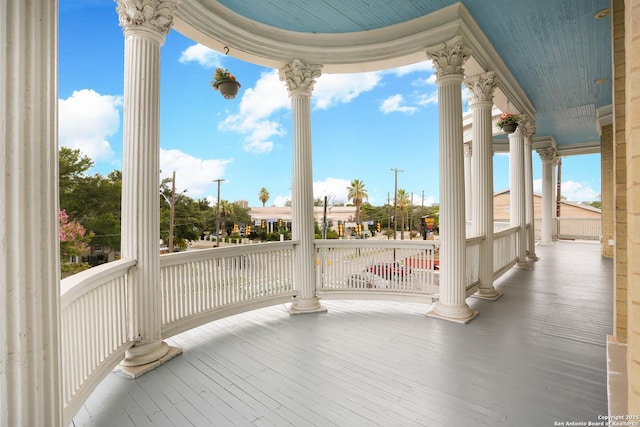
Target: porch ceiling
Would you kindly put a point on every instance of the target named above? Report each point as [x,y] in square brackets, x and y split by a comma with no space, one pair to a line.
[550,56]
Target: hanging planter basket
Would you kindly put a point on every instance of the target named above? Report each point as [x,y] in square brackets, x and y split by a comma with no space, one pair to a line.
[510,127]
[225,82]
[228,88]
[508,122]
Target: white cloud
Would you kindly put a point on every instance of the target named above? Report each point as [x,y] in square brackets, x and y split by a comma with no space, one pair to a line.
[578,192]
[537,186]
[572,191]
[204,56]
[256,106]
[281,200]
[394,104]
[428,98]
[417,200]
[334,188]
[332,89]
[192,174]
[86,120]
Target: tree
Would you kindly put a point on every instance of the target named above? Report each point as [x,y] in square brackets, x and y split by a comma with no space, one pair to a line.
[403,201]
[103,216]
[92,200]
[72,166]
[263,195]
[73,243]
[227,209]
[357,193]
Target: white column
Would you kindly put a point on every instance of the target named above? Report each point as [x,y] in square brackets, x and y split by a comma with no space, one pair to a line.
[144,33]
[30,393]
[547,156]
[481,88]
[554,210]
[528,129]
[516,185]
[300,79]
[468,179]
[448,59]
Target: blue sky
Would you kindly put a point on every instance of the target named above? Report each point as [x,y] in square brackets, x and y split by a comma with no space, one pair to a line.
[363,125]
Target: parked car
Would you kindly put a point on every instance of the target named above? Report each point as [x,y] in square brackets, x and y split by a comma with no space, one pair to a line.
[365,279]
[389,270]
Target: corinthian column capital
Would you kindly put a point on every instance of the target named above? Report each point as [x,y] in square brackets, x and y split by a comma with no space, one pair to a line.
[300,77]
[481,87]
[448,58]
[156,15]
[547,154]
[527,127]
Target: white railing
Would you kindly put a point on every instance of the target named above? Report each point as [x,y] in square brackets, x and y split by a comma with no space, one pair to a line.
[93,317]
[501,225]
[504,250]
[472,270]
[204,285]
[579,228]
[390,269]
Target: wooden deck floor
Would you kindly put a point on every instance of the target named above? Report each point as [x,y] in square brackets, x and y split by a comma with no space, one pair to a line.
[534,357]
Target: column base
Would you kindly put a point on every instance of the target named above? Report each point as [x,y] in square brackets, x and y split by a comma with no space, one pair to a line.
[130,368]
[533,257]
[489,294]
[459,313]
[304,306]
[545,243]
[524,265]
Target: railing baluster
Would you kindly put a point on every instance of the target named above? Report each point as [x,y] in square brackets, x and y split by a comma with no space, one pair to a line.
[93,321]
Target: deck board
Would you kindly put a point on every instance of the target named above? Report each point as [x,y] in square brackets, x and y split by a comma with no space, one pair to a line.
[534,357]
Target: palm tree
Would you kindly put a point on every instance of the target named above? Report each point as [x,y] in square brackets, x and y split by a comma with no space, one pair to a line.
[403,201]
[226,210]
[263,196]
[357,194]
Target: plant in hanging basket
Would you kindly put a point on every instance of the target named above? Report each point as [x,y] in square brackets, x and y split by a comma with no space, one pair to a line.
[221,75]
[508,120]
[225,82]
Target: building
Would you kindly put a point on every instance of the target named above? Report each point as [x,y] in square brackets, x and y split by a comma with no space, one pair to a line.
[334,215]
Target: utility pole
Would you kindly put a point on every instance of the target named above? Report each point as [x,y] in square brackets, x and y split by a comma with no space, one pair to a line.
[410,215]
[172,213]
[324,219]
[395,200]
[219,180]
[389,212]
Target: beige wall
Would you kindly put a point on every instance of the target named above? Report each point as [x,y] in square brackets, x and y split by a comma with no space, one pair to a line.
[606,191]
[568,210]
[632,133]
[619,173]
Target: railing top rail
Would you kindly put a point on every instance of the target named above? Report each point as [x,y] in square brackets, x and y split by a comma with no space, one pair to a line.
[474,240]
[85,281]
[375,243]
[221,252]
[506,232]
